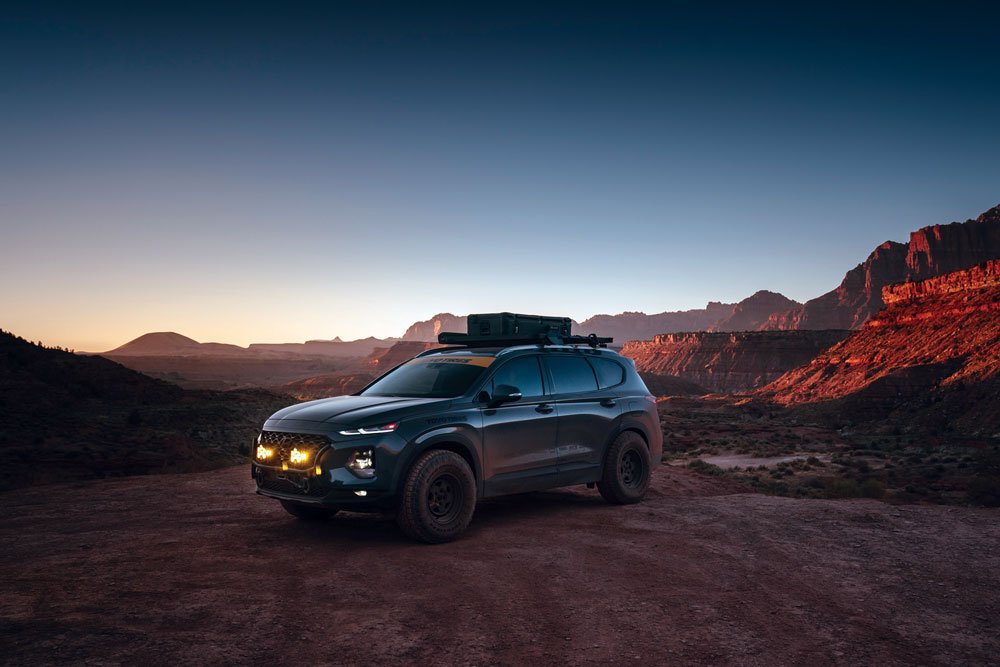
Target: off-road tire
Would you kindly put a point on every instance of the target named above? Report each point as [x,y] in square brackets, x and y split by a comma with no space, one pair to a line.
[438,498]
[626,470]
[307,512]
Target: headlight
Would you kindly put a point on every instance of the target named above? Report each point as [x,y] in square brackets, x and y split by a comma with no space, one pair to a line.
[264,453]
[371,430]
[362,463]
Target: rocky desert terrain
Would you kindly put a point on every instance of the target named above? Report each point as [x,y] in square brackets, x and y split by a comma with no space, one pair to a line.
[196,569]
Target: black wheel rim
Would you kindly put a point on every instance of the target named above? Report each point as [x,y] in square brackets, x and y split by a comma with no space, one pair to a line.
[630,469]
[445,498]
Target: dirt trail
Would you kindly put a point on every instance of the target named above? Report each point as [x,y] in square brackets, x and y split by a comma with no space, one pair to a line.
[196,569]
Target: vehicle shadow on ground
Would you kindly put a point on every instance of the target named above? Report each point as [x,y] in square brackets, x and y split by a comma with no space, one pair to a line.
[493,513]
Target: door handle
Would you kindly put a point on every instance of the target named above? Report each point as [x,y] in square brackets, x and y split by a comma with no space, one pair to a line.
[609,402]
[544,408]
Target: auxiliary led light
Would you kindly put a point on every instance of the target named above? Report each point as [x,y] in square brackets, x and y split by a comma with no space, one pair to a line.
[263,453]
[295,456]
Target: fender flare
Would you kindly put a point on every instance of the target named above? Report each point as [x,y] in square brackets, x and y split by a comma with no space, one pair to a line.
[459,439]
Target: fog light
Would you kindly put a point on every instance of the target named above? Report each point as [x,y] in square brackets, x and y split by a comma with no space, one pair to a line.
[362,463]
[296,456]
[361,493]
[263,453]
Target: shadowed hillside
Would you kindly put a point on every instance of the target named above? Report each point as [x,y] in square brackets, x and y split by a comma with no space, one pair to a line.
[65,416]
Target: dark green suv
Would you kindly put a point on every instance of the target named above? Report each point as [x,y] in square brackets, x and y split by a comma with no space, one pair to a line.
[453,425]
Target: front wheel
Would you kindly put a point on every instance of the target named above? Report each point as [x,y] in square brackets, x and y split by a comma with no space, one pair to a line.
[626,470]
[438,499]
[307,512]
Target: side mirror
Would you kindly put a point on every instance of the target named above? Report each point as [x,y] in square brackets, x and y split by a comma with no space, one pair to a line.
[504,393]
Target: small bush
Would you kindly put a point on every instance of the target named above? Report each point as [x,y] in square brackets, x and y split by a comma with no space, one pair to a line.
[872,488]
[985,491]
[706,468]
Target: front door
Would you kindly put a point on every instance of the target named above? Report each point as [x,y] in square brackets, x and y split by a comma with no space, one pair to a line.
[519,438]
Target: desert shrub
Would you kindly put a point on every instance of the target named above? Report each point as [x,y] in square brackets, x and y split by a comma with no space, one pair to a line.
[872,488]
[706,468]
[813,461]
[842,488]
[985,490]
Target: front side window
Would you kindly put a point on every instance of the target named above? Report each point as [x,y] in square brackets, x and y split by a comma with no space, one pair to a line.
[571,375]
[523,373]
[431,377]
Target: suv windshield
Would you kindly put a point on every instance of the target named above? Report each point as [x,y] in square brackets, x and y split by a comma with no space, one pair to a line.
[431,377]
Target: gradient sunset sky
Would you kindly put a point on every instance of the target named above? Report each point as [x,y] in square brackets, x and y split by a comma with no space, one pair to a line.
[275,173]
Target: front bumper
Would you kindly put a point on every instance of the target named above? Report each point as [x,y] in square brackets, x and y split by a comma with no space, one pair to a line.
[327,481]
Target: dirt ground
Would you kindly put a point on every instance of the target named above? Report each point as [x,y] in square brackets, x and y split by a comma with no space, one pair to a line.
[195,569]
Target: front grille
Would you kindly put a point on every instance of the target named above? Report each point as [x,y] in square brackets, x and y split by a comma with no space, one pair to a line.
[284,443]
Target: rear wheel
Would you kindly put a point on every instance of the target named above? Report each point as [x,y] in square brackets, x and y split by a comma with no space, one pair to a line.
[307,512]
[438,499]
[626,470]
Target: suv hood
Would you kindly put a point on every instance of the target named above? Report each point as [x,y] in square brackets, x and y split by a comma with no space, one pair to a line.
[354,410]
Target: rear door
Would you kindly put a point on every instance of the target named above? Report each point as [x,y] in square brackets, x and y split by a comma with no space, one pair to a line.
[587,413]
[519,438]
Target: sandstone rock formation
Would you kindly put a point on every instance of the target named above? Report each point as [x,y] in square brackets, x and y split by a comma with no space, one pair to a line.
[670,385]
[428,330]
[383,359]
[726,362]
[754,311]
[931,251]
[934,348]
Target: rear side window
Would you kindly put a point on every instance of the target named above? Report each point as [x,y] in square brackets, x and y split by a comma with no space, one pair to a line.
[609,373]
[523,373]
[571,375]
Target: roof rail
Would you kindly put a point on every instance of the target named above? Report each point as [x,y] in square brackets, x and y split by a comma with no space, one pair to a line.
[550,338]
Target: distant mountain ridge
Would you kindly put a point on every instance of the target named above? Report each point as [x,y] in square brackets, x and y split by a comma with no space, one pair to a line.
[172,344]
[750,313]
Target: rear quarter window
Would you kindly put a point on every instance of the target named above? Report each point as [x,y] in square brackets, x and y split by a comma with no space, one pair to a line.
[571,375]
[609,373]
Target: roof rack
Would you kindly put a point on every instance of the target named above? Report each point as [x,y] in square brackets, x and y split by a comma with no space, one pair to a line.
[550,338]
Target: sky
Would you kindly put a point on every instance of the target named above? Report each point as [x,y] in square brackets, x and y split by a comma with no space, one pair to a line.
[253,172]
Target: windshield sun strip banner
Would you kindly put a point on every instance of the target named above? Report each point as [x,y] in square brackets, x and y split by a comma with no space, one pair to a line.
[455,359]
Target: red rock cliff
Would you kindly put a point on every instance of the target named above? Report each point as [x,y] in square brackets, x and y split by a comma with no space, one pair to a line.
[936,341]
[729,361]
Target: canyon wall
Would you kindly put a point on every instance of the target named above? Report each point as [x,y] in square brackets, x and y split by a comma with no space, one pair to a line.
[933,350]
[729,362]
